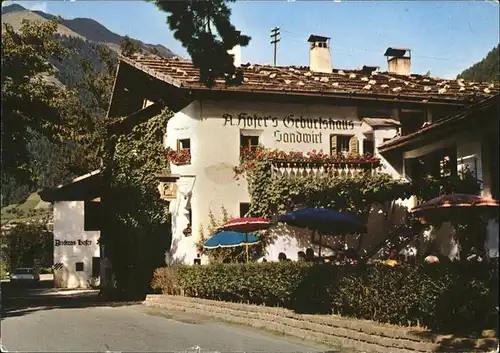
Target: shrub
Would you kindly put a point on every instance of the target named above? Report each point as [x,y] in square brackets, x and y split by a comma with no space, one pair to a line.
[165,279]
[46,270]
[445,297]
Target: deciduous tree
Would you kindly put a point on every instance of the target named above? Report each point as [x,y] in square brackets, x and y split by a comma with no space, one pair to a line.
[31,103]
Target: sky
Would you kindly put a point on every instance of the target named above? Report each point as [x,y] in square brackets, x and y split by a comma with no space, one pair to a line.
[445,37]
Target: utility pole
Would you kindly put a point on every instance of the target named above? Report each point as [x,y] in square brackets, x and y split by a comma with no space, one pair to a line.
[275,32]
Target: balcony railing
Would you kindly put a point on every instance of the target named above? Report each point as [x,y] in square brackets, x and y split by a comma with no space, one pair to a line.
[345,169]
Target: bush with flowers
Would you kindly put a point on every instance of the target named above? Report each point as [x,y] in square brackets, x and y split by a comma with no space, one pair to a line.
[251,155]
[180,157]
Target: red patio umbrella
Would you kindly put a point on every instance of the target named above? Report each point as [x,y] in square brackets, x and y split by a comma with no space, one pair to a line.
[452,207]
[457,200]
[247,224]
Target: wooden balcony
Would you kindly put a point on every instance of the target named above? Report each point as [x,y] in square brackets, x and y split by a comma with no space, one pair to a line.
[318,170]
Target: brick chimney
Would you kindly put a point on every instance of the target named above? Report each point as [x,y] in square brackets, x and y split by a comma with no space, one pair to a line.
[319,54]
[398,61]
[236,53]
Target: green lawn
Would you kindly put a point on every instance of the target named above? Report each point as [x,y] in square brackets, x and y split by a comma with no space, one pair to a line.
[32,208]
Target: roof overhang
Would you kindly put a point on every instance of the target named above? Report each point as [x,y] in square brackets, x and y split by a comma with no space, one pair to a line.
[377,122]
[472,117]
[84,188]
[167,178]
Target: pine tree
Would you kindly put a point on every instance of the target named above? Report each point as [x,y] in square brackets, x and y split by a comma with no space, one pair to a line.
[129,47]
[204,29]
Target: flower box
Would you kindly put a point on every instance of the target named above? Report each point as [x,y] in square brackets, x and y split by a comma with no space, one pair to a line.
[180,157]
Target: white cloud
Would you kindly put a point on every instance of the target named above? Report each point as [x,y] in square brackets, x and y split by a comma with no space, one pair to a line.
[30,5]
[39,6]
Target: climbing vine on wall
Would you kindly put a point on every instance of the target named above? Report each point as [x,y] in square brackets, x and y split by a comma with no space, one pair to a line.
[136,230]
[354,194]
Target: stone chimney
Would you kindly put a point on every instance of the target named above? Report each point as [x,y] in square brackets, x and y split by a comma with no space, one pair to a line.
[236,53]
[319,54]
[398,61]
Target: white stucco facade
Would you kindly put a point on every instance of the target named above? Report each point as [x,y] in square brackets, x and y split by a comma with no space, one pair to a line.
[75,250]
[208,183]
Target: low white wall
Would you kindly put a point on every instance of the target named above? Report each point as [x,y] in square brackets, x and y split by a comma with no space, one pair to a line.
[72,244]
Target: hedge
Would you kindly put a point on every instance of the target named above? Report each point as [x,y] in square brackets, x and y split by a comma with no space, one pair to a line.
[452,298]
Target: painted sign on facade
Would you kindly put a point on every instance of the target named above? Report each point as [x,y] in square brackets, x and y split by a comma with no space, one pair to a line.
[58,242]
[284,124]
[245,120]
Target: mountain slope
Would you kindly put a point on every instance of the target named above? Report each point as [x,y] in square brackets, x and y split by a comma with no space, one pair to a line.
[487,70]
[84,28]
[15,18]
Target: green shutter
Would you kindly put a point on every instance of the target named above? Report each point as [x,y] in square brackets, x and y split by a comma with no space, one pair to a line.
[353,145]
[333,145]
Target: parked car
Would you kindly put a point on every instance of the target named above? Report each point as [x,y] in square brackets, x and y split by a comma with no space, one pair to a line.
[24,275]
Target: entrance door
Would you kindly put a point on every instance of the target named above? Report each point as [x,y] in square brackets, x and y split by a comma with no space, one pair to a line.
[493,164]
[96,267]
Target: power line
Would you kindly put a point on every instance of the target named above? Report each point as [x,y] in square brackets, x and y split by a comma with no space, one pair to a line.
[275,32]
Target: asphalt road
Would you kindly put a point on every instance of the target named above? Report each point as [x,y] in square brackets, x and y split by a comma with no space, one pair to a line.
[39,319]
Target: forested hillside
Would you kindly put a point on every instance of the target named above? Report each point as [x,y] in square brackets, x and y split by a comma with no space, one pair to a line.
[86,56]
[487,70]
[85,28]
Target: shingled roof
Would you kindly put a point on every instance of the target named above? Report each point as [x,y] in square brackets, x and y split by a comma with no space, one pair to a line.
[490,103]
[300,80]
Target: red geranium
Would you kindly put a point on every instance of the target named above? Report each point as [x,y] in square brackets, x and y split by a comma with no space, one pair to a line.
[180,157]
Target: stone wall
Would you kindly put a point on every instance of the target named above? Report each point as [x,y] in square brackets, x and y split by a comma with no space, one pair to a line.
[361,335]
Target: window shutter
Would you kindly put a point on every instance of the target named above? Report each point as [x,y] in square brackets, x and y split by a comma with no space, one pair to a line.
[353,145]
[333,145]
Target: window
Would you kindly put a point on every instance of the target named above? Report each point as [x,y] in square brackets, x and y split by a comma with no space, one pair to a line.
[444,167]
[92,215]
[183,156]
[368,147]
[96,266]
[343,144]
[411,121]
[439,164]
[244,209]
[249,141]
[184,144]
[188,231]
[79,266]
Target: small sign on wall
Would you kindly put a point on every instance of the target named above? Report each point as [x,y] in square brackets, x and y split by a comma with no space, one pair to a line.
[58,242]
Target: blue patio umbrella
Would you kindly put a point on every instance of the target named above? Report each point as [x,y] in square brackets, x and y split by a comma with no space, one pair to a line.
[229,239]
[324,221]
